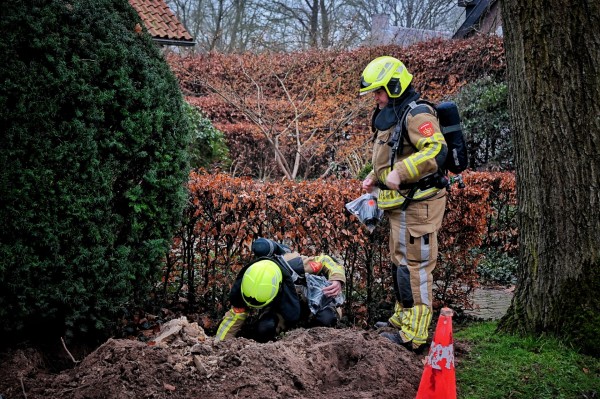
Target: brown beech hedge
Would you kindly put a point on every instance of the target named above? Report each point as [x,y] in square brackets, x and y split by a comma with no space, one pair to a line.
[225,214]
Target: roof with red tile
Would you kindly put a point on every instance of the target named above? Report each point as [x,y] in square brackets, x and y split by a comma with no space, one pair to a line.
[161,23]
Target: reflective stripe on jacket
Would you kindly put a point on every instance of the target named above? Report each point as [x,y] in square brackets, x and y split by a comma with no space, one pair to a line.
[232,323]
[412,163]
[287,303]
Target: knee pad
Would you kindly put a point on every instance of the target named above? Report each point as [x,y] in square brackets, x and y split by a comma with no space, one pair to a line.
[326,318]
[404,288]
[266,328]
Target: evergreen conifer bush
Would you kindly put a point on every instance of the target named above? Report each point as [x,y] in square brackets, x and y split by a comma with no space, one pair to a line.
[93,163]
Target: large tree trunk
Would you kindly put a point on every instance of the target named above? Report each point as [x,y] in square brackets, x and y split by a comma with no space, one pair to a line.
[553,62]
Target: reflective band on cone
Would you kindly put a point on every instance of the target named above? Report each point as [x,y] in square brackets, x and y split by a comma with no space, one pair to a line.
[439,379]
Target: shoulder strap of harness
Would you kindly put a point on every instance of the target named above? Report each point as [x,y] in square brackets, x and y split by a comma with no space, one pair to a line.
[400,131]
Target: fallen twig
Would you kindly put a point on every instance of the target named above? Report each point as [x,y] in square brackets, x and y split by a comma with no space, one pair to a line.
[23,387]
[69,353]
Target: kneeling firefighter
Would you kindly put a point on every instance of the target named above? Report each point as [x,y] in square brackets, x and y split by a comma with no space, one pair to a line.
[408,152]
[287,289]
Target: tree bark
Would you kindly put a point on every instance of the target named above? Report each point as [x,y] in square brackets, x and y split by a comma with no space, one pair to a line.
[325,24]
[218,30]
[553,65]
[239,8]
[313,33]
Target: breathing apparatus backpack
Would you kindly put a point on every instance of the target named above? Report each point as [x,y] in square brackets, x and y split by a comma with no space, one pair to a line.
[450,124]
[456,160]
[265,248]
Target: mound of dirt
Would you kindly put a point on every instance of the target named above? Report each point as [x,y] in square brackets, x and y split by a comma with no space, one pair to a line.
[182,362]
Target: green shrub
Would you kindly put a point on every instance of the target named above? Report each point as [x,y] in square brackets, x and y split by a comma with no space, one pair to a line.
[208,144]
[497,268]
[484,110]
[92,164]
[364,172]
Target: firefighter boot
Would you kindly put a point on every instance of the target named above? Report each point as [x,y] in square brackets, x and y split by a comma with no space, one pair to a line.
[399,339]
[394,321]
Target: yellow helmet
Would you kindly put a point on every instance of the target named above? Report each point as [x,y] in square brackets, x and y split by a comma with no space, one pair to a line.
[260,283]
[387,72]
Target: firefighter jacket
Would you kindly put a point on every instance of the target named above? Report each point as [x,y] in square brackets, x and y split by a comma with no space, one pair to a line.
[287,302]
[422,150]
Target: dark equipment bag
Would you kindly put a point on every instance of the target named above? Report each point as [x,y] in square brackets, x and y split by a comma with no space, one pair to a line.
[450,124]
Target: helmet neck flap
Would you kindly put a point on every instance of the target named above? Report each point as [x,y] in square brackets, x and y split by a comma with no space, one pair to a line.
[390,115]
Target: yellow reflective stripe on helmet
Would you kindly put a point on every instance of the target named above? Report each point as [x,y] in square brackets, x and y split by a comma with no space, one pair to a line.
[230,325]
[384,71]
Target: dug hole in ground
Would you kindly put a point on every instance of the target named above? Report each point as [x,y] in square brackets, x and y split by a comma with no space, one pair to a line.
[181,361]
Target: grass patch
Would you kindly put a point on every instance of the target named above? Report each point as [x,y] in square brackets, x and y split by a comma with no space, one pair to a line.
[501,366]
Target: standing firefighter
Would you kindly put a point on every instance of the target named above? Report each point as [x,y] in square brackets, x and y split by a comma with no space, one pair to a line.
[408,152]
[287,289]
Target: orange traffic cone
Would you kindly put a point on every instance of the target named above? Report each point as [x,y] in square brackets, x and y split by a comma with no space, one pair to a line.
[438,380]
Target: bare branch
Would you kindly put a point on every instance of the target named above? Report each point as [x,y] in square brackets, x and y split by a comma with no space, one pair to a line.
[23,387]
[68,353]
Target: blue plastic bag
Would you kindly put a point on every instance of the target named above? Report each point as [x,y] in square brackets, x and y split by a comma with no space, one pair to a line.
[316,300]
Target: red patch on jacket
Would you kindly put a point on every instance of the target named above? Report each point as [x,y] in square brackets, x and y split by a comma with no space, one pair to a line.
[315,266]
[426,129]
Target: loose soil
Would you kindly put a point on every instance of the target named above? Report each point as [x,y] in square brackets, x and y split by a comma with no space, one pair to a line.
[182,362]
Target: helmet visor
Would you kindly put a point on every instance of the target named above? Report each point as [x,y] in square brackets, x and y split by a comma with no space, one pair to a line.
[385,72]
[377,75]
[366,87]
[255,303]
